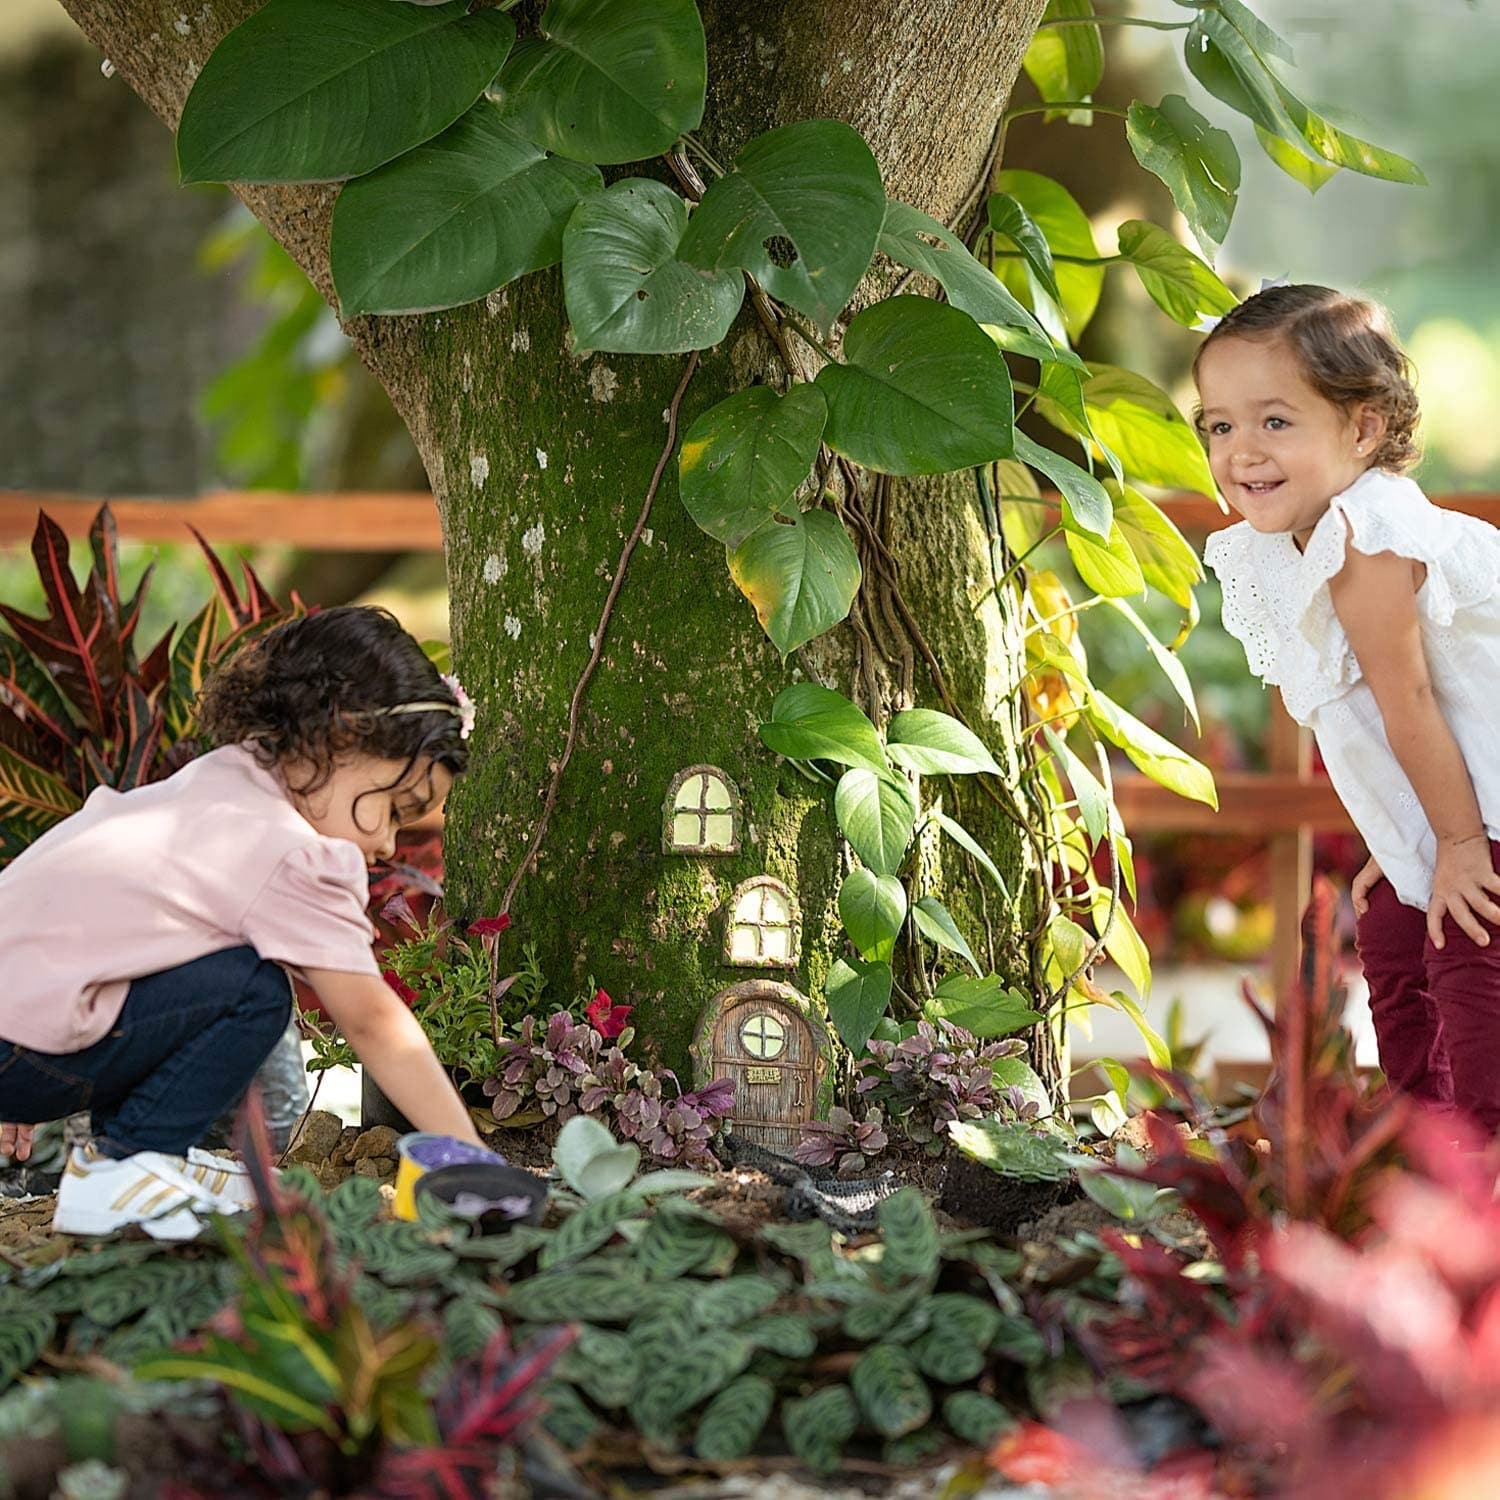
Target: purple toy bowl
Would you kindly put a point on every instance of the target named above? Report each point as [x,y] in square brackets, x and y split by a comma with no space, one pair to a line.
[433,1151]
[490,1194]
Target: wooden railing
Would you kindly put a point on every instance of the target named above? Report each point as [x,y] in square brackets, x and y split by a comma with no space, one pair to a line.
[1286,804]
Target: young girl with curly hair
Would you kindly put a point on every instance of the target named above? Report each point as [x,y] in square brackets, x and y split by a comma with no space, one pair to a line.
[1377,614]
[147,937]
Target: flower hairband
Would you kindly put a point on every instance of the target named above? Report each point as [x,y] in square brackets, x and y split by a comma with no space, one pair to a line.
[464,708]
[1207,323]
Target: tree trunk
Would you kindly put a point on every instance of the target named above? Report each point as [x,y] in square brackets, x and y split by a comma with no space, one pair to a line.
[540,462]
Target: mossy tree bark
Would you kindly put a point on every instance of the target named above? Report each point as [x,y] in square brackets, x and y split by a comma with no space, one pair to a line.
[539,462]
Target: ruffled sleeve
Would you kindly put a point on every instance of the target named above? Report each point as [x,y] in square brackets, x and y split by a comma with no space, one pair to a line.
[1384,512]
[1249,573]
[310,914]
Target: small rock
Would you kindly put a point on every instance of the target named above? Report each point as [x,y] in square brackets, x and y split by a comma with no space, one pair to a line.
[382,1169]
[340,1153]
[317,1138]
[378,1140]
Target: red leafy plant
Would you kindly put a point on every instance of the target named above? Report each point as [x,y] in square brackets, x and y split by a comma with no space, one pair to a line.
[852,1143]
[321,1401]
[568,1068]
[1345,1344]
[80,706]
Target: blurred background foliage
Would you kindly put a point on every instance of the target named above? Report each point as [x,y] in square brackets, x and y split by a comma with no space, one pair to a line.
[285,406]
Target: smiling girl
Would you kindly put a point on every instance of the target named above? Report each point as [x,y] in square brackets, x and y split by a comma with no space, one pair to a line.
[1378,616]
[147,938]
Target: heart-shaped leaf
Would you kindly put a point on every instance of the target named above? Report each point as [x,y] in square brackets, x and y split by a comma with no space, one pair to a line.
[1168,562]
[1088,499]
[936,922]
[877,815]
[986,1007]
[1010,221]
[912,238]
[605,82]
[857,994]
[1197,161]
[453,219]
[314,90]
[1065,227]
[1065,62]
[1175,279]
[591,1161]
[935,744]
[809,722]
[743,460]
[625,289]
[1109,566]
[801,577]
[1296,162]
[872,908]
[801,212]
[1143,425]
[923,390]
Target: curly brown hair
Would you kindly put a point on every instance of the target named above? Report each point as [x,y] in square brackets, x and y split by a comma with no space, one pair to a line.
[316,689]
[1348,350]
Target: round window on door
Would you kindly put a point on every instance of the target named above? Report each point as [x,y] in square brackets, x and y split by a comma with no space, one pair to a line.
[763,1035]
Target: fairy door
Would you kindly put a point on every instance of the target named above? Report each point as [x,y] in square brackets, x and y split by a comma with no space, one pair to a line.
[766,1046]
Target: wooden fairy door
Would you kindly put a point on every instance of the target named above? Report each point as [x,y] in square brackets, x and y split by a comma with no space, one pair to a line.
[766,1046]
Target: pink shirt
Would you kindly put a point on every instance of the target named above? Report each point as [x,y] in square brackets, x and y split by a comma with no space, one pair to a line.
[133,883]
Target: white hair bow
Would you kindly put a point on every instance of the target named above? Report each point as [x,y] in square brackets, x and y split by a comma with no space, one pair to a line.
[1207,323]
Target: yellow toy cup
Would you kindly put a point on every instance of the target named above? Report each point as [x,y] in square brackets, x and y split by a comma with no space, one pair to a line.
[421,1151]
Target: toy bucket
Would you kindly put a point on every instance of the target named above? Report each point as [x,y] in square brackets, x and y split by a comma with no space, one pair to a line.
[493,1196]
[421,1151]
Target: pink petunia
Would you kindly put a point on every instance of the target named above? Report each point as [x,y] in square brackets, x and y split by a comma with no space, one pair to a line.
[489,926]
[406,993]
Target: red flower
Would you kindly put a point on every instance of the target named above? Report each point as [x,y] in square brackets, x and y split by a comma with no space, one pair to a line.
[489,926]
[607,1018]
[407,994]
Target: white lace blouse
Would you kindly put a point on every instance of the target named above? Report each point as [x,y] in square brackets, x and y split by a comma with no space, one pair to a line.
[1276,602]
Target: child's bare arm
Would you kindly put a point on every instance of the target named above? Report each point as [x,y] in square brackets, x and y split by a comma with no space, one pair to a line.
[390,1042]
[1375,598]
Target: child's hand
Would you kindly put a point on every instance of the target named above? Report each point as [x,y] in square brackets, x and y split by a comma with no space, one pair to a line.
[1461,888]
[1365,882]
[15,1141]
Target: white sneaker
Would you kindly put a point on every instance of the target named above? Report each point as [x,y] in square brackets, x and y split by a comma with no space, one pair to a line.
[224,1176]
[165,1195]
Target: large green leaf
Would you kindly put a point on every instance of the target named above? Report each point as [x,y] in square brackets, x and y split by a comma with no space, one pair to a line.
[801,212]
[971,846]
[1161,760]
[1108,567]
[912,238]
[1197,161]
[936,923]
[453,219]
[801,577]
[872,908]
[1059,398]
[1184,287]
[1065,62]
[809,722]
[923,390]
[1123,943]
[1089,504]
[1312,173]
[877,815]
[986,1007]
[311,90]
[1093,800]
[1167,560]
[1016,1073]
[1142,424]
[857,994]
[605,82]
[936,744]
[625,288]
[743,460]
[1056,213]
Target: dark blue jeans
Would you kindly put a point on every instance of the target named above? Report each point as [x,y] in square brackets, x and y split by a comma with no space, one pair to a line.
[185,1047]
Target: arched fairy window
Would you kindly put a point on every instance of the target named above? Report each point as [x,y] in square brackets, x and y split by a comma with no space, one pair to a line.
[764,930]
[702,813]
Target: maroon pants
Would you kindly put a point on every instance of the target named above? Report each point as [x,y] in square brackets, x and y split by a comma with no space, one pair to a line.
[1436,1011]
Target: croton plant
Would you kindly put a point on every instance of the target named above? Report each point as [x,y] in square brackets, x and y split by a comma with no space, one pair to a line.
[80,705]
